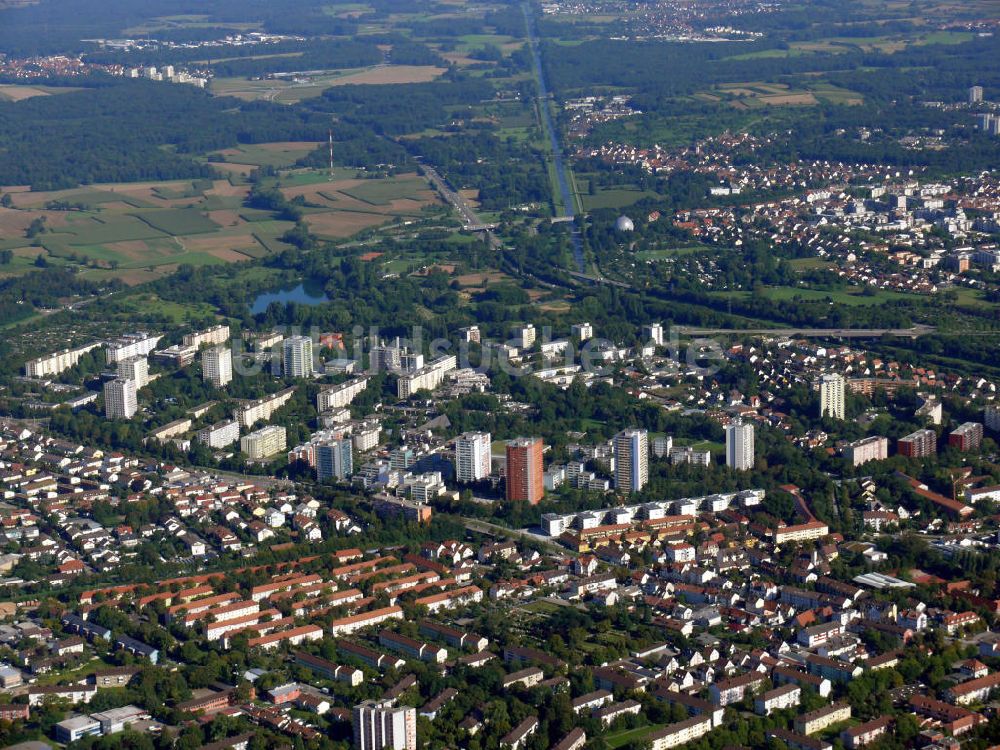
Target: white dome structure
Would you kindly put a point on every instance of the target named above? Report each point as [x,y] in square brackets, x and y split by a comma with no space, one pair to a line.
[624,224]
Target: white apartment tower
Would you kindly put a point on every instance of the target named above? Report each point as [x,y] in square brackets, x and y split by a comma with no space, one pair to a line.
[334,459]
[653,333]
[120,399]
[134,368]
[991,417]
[525,336]
[631,460]
[975,94]
[739,446]
[662,445]
[379,725]
[298,357]
[473,453]
[831,396]
[220,434]
[217,365]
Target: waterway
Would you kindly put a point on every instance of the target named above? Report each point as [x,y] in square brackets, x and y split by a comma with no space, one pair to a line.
[562,178]
[304,293]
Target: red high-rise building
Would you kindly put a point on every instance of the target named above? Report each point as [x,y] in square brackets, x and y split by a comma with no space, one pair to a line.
[918,444]
[525,481]
[967,437]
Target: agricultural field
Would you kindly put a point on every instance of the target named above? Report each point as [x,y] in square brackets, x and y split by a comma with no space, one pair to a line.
[756,94]
[279,155]
[342,207]
[887,44]
[292,91]
[15,92]
[138,232]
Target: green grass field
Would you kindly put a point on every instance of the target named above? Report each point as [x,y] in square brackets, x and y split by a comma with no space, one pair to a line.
[178,312]
[624,737]
[177,222]
[383,192]
[669,252]
[613,197]
[279,156]
[853,297]
[809,264]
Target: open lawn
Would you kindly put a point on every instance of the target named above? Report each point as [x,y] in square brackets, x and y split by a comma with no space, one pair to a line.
[383,74]
[613,198]
[292,91]
[852,296]
[669,252]
[808,264]
[179,313]
[625,736]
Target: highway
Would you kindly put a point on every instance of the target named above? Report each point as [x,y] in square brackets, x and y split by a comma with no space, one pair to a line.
[558,164]
[485,527]
[470,219]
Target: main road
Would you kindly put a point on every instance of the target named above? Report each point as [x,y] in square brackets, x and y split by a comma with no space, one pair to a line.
[485,527]
[558,164]
[470,219]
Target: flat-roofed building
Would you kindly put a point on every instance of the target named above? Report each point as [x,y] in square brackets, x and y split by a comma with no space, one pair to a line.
[217,365]
[121,400]
[785,696]
[919,444]
[264,442]
[875,448]
[57,362]
[967,436]
[821,718]
[340,395]
[220,434]
[866,733]
[680,733]
[473,456]
[209,337]
[134,368]
[381,725]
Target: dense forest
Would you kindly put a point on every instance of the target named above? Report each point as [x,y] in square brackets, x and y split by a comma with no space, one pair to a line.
[116,134]
[60,26]
[505,173]
[397,109]
[660,71]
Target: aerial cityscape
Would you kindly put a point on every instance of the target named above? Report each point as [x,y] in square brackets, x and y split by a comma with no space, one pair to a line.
[500,374]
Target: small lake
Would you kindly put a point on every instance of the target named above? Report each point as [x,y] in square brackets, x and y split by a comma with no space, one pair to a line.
[304,293]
